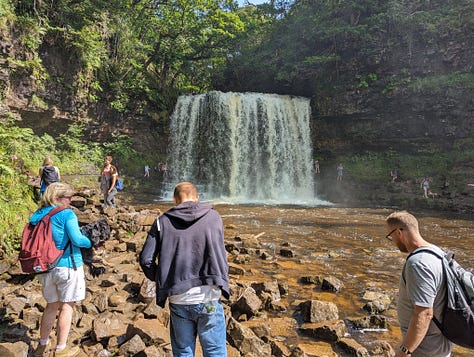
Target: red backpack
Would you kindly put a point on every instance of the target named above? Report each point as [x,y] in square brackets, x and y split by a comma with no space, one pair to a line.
[38,253]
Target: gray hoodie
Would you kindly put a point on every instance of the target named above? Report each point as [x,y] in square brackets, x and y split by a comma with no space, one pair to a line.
[189,245]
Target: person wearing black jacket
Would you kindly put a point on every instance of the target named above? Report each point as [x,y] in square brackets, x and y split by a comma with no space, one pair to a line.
[191,271]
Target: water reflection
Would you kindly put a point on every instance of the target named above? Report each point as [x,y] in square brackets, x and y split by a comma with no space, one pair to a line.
[347,243]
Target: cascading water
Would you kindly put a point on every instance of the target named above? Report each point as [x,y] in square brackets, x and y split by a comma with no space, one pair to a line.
[243,147]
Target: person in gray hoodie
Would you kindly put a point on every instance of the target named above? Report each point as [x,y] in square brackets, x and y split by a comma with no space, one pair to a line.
[191,271]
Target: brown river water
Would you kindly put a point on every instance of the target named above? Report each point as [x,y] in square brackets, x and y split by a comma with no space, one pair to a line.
[347,243]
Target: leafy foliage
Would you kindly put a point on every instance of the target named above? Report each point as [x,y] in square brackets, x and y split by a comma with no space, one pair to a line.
[132,55]
[22,153]
[324,47]
[7,14]
[121,146]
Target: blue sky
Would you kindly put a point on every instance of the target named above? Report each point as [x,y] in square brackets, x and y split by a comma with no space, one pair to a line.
[255,2]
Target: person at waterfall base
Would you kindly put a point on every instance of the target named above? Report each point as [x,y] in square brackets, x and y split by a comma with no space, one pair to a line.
[48,174]
[340,172]
[108,178]
[394,174]
[192,272]
[64,285]
[316,167]
[425,185]
[422,290]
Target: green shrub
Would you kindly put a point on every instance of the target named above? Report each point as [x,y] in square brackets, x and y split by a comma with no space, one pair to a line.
[22,153]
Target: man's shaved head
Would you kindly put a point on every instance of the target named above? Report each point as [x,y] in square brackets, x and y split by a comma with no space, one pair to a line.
[185,191]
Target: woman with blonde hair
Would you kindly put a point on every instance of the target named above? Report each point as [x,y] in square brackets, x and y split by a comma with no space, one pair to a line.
[48,174]
[64,285]
[108,176]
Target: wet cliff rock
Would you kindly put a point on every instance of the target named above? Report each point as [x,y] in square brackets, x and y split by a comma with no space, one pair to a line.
[413,93]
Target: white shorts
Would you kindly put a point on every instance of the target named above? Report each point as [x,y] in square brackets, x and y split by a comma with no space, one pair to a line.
[64,284]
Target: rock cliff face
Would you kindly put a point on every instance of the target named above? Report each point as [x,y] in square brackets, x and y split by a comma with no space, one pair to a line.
[51,104]
[414,94]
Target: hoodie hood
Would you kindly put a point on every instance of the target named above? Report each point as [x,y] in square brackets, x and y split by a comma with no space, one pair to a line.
[39,214]
[186,213]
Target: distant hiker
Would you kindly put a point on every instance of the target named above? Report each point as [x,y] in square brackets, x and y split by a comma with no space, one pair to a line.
[108,176]
[340,171]
[316,167]
[425,185]
[147,171]
[65,284]
[48,174]
[164,170]
[394,174]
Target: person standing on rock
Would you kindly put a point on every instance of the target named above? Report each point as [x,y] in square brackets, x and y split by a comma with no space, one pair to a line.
[192,272]
[394,174]
[316,167]
[108,178]
[64,285]
[48,174]
[422,290]
[340,172]
[425,185]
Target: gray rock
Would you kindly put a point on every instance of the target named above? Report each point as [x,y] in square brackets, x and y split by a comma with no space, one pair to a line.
[352,347]
[332,284]
[152,332]
[370,322]
[17,349]
[318,311]
[132,346]
[112,324]
[330,331]
[245,340]
[248,304]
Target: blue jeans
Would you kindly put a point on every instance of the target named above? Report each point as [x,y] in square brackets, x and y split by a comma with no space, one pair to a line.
[204,320]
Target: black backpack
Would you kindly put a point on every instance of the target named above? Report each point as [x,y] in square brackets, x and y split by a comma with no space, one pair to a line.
[49,175]
[458,314]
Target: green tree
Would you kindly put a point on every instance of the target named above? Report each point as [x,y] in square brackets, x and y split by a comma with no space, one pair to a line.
[158,49]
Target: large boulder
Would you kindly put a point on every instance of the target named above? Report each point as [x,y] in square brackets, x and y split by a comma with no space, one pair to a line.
[318,311]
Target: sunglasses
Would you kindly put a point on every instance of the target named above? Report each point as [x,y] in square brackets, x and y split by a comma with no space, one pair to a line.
[388,236]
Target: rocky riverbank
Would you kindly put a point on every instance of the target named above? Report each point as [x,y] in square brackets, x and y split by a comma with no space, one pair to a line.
[402,194]
[120,318]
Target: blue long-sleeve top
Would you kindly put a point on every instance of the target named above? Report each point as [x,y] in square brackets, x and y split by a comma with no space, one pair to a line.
[65,227]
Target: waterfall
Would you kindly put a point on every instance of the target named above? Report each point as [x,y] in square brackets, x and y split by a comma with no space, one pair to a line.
[243,147]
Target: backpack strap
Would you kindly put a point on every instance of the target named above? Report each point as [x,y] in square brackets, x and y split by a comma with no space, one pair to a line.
[427,250]
[448,256]
[55,210]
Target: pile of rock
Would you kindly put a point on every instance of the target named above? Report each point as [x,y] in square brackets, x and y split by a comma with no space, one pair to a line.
[119,316]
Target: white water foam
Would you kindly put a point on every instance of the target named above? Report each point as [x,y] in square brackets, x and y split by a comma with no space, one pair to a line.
[243,148]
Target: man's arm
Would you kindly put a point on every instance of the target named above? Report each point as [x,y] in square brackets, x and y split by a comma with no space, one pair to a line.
[149,253]
[419,323]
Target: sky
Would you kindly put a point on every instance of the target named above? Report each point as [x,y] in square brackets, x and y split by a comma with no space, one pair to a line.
[255,2]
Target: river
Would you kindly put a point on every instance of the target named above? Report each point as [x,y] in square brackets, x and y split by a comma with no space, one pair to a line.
[348,243]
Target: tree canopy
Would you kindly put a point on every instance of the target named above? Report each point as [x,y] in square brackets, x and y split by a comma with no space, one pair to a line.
[137,56]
